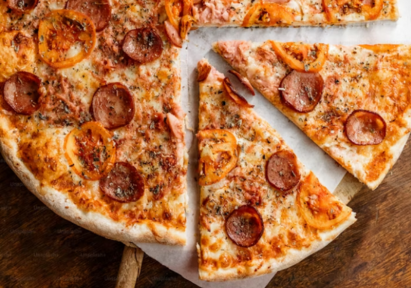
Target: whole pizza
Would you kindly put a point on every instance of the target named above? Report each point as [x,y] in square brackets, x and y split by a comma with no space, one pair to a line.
[91,121]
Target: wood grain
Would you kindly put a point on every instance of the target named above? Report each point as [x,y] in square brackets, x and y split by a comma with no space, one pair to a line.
[40,249]
[130,267]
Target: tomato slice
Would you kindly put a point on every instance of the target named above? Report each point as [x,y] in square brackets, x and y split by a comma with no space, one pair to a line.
[302,57]
[318,206]
[381,48]
[186,23]
[268,14]
[90,151]
[218,155]
[334,7]
[174,9]
[65,38]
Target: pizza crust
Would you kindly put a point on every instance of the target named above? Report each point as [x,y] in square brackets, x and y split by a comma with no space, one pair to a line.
[95,222]
[293,257]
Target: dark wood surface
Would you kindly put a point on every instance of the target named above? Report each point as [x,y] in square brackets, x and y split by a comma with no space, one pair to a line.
[40,249]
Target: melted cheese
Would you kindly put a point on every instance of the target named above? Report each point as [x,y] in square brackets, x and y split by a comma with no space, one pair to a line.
[147,142]
[286,238]
[355,78]
[307,13]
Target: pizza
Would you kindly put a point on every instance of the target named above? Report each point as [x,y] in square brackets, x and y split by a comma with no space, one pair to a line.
[352,101]
[90,116]
[261,210]
[248,13]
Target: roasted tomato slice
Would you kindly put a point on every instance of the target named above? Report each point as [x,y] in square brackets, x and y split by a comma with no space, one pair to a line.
[233,94]
[185,25]
[268,14]
[218,155]
[65,38]
[90,151]
[320,208]
[174,10]
[302,57]
[370,9]
[381,48]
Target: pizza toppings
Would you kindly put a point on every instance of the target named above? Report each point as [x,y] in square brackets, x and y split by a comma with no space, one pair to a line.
[173,35]
[65,38]
[371,9]
[302,91]
[282,170]
[237,98]
[113,105]
[22,6]
[98,11]
[268,14]
[365,128]
[123,183]
[185,25]
[218,155]
[319,208]
[243,81]
[204,69]
[90,151]
[174,9]
[143,45]
[21,92]
[244,226]
[301,57]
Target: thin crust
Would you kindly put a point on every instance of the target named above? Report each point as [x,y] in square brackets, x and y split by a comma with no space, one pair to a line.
[373,67]
[287,237]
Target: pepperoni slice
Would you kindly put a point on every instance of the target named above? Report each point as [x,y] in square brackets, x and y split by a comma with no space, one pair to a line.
[282,170]
[172,34]
[123,183]
[365,128]
[302,91]
[22,6]
[99,11]
[21,92]
[245,226]
[143,45]
[113,105]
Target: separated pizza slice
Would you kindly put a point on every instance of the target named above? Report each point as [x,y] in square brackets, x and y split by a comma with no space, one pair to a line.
[261,209]
[249,13]
[354,102]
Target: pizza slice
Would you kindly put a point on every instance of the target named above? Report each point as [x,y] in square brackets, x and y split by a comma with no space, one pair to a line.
[248,13]
[261,210]
[90,115]
[354,102]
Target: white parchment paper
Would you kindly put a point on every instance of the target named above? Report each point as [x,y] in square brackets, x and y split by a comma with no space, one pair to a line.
[183,260]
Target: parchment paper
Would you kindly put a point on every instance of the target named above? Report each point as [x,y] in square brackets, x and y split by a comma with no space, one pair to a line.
[183,260]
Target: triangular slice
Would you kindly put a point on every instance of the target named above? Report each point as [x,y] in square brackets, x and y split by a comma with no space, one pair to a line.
[289,12]
[261,209]
[354,102]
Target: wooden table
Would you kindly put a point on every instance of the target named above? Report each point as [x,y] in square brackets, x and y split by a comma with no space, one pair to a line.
[40,249]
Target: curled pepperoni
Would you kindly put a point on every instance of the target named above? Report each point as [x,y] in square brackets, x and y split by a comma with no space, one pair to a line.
[302,91]
[365,128]
[143,45]
[282,170]
[123,183]
[22,6]
[245,226]
[244,81]
[113,105]
[99,11]
[173,35]
[21,92]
